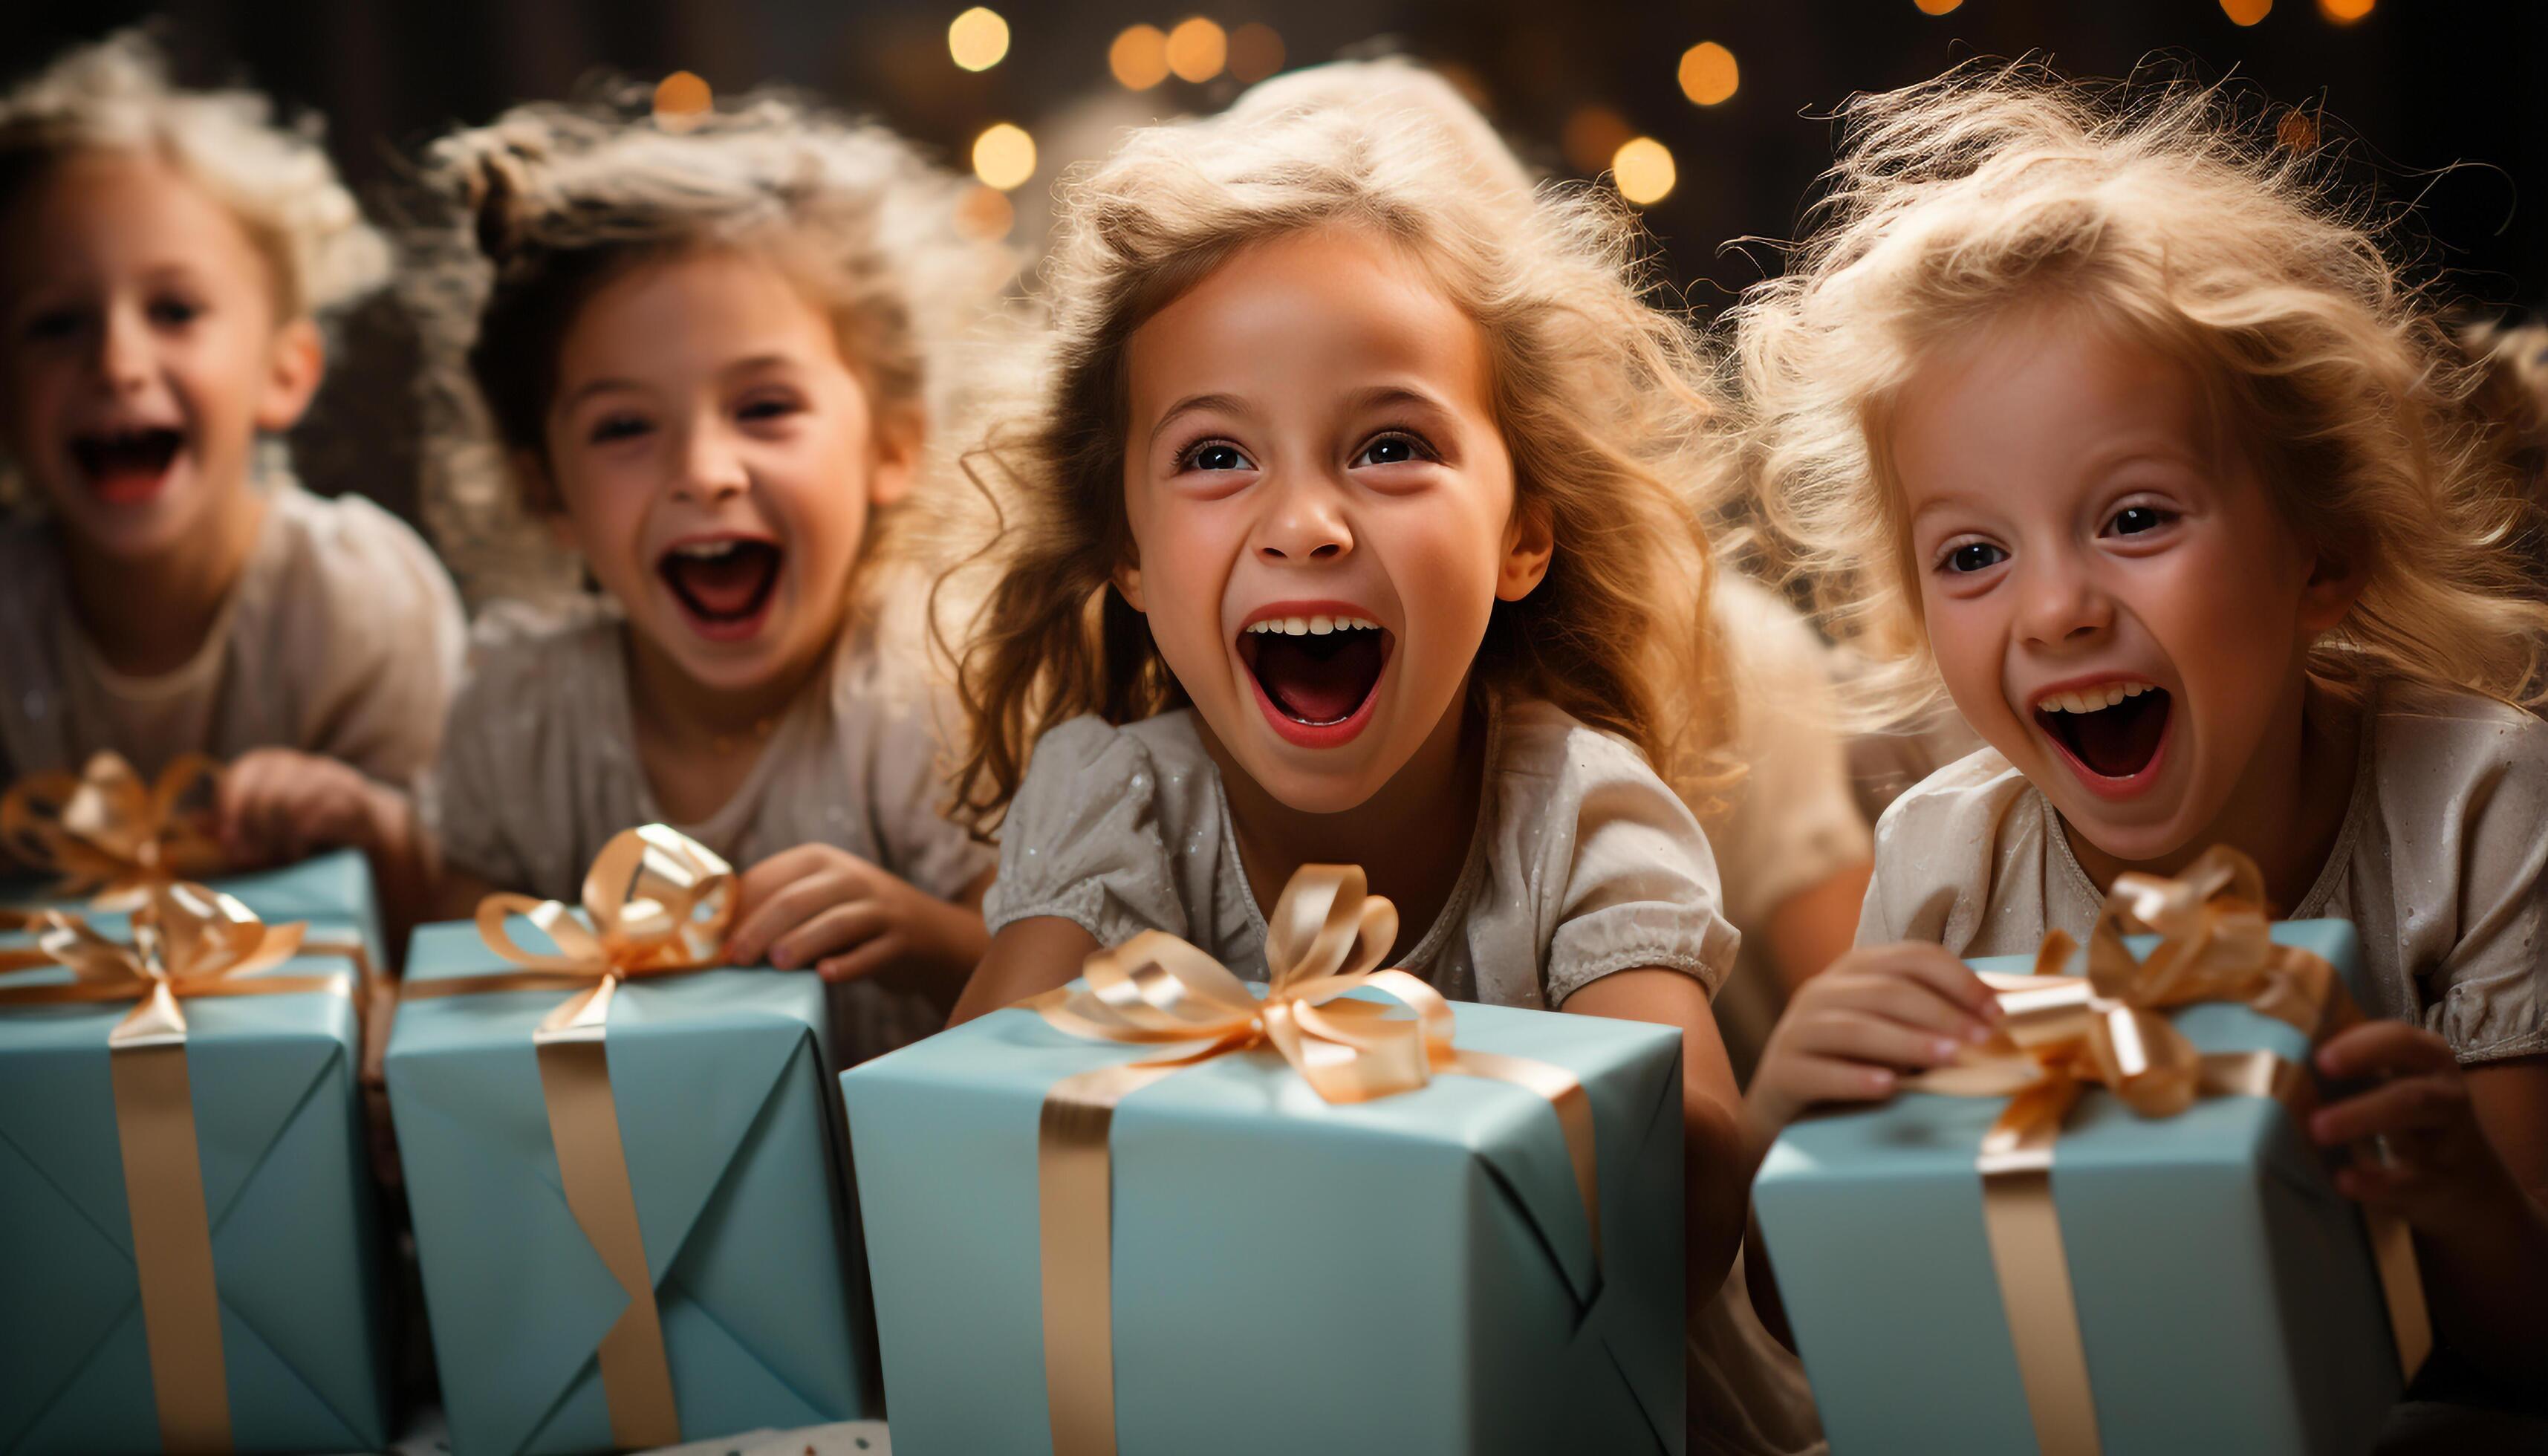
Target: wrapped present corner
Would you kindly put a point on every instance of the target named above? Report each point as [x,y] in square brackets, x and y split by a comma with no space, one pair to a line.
[187,1250]
[623,1170]
[1152,1212]
[2110,1232]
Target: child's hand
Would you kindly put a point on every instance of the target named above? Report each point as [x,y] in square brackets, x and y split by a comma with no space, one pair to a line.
[277,805]
[2433,1163]
[1850,1030]
[822,906]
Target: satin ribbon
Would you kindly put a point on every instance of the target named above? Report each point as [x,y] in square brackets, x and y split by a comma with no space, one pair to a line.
[108,834]
[2064,1033]
[1324,940]
[655,902]
[189,942]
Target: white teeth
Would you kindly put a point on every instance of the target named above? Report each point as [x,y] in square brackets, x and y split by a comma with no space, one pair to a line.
[1322,626]
[706,550]
[1314,626]
[1295,626]
[2094,699]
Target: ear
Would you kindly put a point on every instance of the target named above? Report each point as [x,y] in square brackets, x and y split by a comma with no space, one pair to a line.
[1529,544]
[295,364]
[900,437]
[2334,585]
[1128,579]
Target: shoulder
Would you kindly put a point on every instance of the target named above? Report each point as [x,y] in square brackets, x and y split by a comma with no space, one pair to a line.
[350,544]
[1088,755]
[1539,743]
[2455,768]
[2414,731]
[1945,845]
[531,657]
[1979,789]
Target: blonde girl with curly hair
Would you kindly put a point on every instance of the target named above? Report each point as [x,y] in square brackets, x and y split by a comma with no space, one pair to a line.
[704,353]
[1347,530]
[167,258]
[2111,416]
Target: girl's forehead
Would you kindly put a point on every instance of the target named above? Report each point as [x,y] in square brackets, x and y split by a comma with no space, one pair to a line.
[98,210]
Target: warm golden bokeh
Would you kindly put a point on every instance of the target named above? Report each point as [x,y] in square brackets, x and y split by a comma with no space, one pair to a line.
[2345,12]
[1140,58]
[1936,7]
[1708,74]
[681,99]
[1643,172]
[2297,131]
[979,39]
[2246,12]
[1256,53]
[1004,156]
[1196,50]
[1594,136]
[985,213]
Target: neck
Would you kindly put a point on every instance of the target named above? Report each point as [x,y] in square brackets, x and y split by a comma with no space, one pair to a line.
[2287,808]
[1412,838]
[685,714]
[150,614]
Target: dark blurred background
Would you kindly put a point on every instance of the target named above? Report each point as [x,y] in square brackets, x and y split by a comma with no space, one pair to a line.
[2437,98]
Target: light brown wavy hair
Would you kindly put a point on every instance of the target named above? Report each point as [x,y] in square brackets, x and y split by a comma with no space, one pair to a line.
[2194,218]
[1605,402]
[535,212]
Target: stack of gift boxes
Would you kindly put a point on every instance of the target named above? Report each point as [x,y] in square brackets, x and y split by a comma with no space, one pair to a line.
[1329,1213]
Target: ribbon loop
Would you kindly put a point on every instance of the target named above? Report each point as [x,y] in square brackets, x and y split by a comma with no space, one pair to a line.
[108,834]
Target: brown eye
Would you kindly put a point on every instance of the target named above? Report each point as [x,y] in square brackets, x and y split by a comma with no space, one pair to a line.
[2132,520]
[1974,556]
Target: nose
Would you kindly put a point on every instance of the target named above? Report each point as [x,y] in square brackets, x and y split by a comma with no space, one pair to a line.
[2059,601]
[124,355]
[1303,520]
[709,468]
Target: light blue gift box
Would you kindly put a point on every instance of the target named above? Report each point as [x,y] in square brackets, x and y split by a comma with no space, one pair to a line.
[286,1188]
[2225,1292]
[1411,1274]
[334,887]
[732,1153]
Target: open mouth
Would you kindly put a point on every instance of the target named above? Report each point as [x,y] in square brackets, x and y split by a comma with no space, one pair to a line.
[2112,731]
[124,465]
[724,584]
[1317,670]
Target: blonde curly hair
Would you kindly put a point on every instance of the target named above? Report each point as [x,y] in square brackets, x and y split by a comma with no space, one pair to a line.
[541,208]
[2191,219]
[1606,404]
[115,96]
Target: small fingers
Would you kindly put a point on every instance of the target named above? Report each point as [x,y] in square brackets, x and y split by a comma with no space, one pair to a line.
[2405,1105]
[1911,1002]
[1848,1034]
[774,914]
[875,955]
[827,932]
[2383,1047]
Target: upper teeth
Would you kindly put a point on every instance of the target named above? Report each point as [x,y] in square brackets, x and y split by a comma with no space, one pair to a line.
[2093,700]
[706,550]
[1310,626]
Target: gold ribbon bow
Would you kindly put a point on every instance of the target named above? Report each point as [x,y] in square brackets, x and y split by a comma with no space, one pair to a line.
[189,942]
[655,902]
[2064,1033]
[1324,941]
[108,833]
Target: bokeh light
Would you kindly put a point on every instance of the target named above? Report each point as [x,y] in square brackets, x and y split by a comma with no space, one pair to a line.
[1708,74]
[1643,172]
[681,99]
[2345,12]
[985,213]
[2297,131]
[1140,58]
[2246,12]
[1004,156]
[1594,136]
[1196,50]
[1256,53]
[977,38]
[1936,7]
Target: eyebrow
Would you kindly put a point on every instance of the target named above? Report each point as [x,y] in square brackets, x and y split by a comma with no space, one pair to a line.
[591,388]
[1381,396]
[1193,403]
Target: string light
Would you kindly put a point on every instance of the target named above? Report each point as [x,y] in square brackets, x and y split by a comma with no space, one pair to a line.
[1643,172]
[1594,136]
[681,99]
[1256,53]
[1936,7]
[1196,50]
[1140,58]
[979,39]
[985,213]
[1708,74]
[1004,156]
[2246,12]
[2345,12]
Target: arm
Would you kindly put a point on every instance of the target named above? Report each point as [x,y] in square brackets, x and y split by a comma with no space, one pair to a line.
[1817,925]
[819,905]
[1027,956]
[279,805]
[1713,1146]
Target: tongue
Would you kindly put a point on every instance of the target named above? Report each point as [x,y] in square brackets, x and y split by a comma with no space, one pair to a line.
[2118,741]
[1318,680]
[723,587]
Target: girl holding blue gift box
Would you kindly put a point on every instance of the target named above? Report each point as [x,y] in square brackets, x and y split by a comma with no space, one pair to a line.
[2111,417]
[705,349]
[167,588]
[1349,532]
